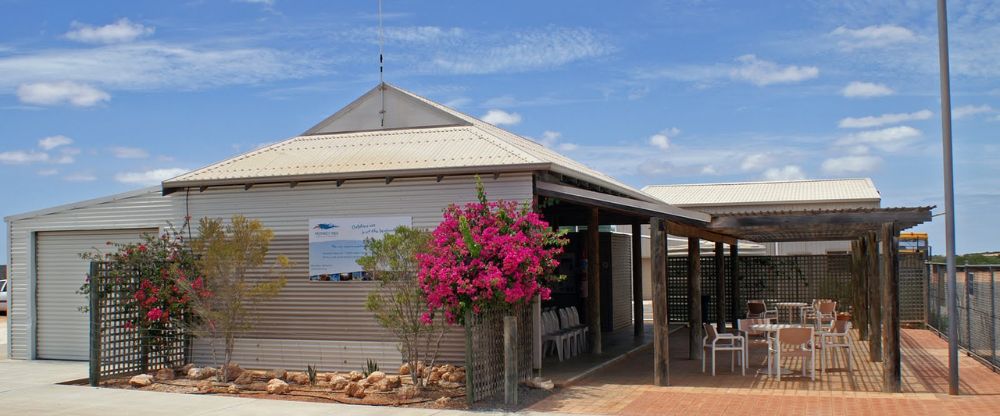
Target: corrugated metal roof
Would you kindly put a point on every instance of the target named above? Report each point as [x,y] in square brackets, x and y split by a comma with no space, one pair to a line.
[762,193]
[473,147]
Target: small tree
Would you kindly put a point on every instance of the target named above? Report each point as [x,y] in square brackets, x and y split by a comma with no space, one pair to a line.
[398,303]
[226,253]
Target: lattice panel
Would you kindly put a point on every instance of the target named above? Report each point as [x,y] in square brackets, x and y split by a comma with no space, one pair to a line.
[912,281]
[487,352]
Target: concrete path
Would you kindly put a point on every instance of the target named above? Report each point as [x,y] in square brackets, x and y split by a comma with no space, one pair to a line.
[28,388]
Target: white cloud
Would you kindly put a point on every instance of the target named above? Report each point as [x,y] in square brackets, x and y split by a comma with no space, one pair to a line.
[970,110]
[762,73]
[875,121]
[122,30]
[421,34]
[80,177]
[786,173]
[48,172]
[517,52]
[660,141]
[851,164]
[875,36]
[63,92]
[709,170]
[53,142]
[865,90]
[889,139]
[550,138]
[499,117]
[568,147]
[756,161]
[129,152]
[264,2]
[19,157]
[149,177]
[66,155]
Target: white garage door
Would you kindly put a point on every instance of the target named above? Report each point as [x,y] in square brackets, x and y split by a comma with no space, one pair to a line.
[63,331]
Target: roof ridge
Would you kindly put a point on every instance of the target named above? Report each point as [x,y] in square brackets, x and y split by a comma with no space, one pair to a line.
[869,180]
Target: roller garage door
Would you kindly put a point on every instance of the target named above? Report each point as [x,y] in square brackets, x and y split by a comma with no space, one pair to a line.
[62,329]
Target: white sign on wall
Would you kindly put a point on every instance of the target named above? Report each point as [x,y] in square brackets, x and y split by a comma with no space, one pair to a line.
[336,244]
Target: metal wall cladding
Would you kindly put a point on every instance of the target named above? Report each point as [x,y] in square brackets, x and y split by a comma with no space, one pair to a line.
[307,311]
[621,280]
[63,329]
[143,209]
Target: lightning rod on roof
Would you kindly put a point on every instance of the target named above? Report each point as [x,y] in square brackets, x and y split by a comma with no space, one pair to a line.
[381,80]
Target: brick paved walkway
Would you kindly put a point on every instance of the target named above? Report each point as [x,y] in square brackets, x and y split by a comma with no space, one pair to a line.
[626,388]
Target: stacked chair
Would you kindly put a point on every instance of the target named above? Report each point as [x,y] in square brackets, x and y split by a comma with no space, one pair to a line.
[563,333]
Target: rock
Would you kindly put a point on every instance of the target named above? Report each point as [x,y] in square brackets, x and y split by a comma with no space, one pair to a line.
[187,367]
[277,386]
[232,389]
[434,377]
[394,381]
[376,377]
[234,371]
[443,401]
[407,392]
[404,369]
[201,373]
[355,376]
[245,378]
[324,377]
[338,383]
[355,390]
[540,383]
[448,385]
[279,374]
[165,374]
[382,385]
[301,379]
[205,386]
[141,380]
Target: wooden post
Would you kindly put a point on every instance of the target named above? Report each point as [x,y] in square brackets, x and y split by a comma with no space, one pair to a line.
[859,288]
[637,312]
[720,288]
[594,281]
[658,275]
[891,369]
[734,282]
[95,327]
[694,298]
[874,300]
[510,360]
[470,389]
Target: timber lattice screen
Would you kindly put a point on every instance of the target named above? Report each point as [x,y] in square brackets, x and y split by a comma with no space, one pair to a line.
[485,365]
[788,279]
[118,347]
[977,298]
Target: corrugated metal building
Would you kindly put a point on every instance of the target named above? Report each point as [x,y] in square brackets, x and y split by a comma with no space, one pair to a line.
[412,159]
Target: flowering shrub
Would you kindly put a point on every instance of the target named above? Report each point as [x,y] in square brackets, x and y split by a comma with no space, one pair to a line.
[495,253]
[166,268]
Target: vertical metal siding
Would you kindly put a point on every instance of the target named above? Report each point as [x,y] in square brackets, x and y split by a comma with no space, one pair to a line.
[62,329]
[621,280]
[327,314]
[146,210]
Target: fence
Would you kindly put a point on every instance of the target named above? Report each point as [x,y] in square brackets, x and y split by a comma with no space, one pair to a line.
[789,279]
[485,351]
[977,299]
[118,346]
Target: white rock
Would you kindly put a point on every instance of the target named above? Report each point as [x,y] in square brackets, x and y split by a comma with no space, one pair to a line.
[276,386]
[141,380]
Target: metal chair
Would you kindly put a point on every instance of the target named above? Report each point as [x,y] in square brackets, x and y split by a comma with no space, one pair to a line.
[795,342]
[715,342]
[758,309]
[838,337]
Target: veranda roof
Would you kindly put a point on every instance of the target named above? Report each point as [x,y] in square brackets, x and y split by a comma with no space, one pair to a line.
[815,225]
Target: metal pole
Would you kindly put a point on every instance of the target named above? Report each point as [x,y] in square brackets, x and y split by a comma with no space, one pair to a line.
[949,196]
[993,318]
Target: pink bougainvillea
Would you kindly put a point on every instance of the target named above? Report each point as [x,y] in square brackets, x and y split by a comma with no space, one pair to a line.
[488,253]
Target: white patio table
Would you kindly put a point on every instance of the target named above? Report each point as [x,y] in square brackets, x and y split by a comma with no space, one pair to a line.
[790,307]
[771,330]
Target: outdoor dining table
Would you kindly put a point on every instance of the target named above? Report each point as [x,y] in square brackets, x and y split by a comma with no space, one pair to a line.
[791,307]
[771,330]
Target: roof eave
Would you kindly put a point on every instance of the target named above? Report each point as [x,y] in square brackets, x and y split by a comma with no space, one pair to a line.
[80,204]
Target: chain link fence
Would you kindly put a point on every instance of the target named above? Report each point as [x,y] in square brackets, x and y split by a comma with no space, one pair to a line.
[976,293]
[485,351]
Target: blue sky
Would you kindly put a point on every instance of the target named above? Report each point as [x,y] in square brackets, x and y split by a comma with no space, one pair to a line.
[100,98]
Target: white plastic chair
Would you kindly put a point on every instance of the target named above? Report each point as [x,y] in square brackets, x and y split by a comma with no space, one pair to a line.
[567,324]
[715,342]
[574,317]
[552,336]
[838,337]
[800,341]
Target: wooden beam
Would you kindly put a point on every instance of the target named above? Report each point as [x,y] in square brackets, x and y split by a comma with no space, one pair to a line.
[807,218]
[892,378]
[694,297]
[734,283]
[874,300]
[594,281]
[720,288]
[637,312]
[686,230]
[658,275]
[859,287]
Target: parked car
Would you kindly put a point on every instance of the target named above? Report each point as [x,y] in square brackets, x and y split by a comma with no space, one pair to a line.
[3,296]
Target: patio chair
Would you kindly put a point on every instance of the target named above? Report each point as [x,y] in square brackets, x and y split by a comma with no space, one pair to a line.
[795,342]
[715,342]
[575,331]
[838,337]
[758,309]
[821,312]
[574,318]
[551,335]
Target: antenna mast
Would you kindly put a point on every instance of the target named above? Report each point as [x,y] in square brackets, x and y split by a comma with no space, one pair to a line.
[381,80]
